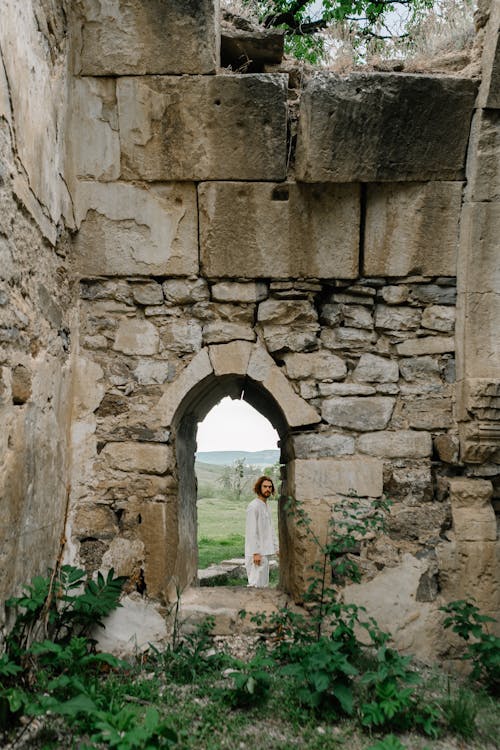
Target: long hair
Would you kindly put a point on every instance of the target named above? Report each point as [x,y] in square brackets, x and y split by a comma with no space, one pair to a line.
[258,484]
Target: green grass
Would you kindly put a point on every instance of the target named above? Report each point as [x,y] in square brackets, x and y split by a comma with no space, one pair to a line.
[213,551]
[203,718]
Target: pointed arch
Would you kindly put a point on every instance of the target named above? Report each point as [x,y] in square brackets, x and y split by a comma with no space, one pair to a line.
[239,369]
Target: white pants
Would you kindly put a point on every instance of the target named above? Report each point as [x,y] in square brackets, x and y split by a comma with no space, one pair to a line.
[258,575]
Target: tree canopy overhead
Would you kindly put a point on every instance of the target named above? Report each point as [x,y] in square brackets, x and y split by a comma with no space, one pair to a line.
[306,22]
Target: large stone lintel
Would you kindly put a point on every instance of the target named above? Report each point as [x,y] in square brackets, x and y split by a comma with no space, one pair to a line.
[286,230]
[136,229]
[412,228]
[138,37]
[315,479]
[203,127]
[392,127]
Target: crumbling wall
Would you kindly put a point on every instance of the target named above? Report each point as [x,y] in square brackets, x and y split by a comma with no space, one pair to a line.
[310,266]
[35,291]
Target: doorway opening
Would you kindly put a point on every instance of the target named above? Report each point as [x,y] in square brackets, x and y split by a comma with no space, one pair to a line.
[195,407]
[236,445]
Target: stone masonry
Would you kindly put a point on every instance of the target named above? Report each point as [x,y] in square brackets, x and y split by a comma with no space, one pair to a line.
[343,281]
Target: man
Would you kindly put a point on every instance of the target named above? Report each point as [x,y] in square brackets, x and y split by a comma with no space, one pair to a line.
[260,538]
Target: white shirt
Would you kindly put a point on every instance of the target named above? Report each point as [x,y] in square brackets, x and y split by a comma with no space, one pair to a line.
[259,532]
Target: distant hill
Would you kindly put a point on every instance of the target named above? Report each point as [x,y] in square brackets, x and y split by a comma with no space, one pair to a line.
[226,458]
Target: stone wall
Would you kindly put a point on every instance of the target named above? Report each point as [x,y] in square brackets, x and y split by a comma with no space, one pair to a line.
[35,291]
[221,249]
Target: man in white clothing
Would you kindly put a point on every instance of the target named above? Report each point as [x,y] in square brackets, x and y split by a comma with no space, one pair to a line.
[260,537]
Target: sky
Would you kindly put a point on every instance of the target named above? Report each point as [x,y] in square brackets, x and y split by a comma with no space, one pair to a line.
[234,425]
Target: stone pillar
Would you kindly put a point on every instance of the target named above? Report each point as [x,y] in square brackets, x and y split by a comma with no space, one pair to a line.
[474,566]
[478,273]
[472,570]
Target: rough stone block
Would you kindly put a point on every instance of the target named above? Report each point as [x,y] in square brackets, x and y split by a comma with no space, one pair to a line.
[142,457]
[434,294]
[149,293]
[448,448]
[203,127]
[94,520]
[282,339]
[185,291]
[138,37]
[395,295]
[233,291]
[136,336]
[397,318]
[427,412]
[231,359]
[220,332]
[322,445]
[289,313]
[363,413]
[348,338]
[420,369]
[391,127]
[412,228]
[426,345]
[489,92]
[439,318]
[94,143]
[318,478]
[289,230]
[374,369]
[408,483]
[483,163]
[321,365]
[136,230]
[181,336]
[346,389]
[398,444]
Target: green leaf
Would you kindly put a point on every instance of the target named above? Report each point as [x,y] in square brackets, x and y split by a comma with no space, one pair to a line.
[345,697]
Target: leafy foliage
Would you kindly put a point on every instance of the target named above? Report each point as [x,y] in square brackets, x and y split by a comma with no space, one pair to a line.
[62,606]
[251,681]
[483,649]
[304,21]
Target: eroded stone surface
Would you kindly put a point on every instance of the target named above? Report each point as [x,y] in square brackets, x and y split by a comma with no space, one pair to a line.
[132,229]
[122,37]
[398,444]
[348,127]
[307,231]
[319,478]
[364,413]
[203,127]
[412,228]
[321,365]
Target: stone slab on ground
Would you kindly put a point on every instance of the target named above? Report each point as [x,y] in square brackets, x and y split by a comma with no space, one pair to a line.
[224,603]
[371,127]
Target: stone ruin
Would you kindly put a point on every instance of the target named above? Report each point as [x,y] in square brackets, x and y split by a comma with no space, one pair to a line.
[324,246]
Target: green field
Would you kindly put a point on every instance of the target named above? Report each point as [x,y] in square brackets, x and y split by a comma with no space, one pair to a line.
[221,516]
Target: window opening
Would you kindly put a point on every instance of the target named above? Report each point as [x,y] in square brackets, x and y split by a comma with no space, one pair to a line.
[236,445]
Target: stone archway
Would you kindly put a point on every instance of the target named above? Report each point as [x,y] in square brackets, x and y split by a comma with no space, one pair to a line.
[241,370]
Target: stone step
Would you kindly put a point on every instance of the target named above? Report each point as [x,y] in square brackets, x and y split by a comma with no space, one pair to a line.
[225,603]
[218,574]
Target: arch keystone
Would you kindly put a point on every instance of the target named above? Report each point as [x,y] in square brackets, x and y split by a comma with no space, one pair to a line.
[230,359]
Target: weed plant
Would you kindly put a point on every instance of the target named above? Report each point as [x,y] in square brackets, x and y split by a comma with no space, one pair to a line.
[327,676]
